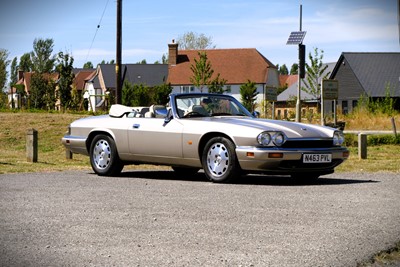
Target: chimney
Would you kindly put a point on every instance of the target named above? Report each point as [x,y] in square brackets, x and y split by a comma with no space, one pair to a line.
[172,53]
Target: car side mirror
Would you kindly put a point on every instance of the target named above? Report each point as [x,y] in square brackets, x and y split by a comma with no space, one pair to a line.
[168,117]
[255,114]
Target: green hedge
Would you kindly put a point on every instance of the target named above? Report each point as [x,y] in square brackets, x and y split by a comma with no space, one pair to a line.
[373,139]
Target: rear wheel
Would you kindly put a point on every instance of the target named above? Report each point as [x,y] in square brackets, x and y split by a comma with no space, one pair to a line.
[104,156]
[219,160]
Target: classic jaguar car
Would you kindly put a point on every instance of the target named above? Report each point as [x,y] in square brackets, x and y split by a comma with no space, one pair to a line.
[213,132]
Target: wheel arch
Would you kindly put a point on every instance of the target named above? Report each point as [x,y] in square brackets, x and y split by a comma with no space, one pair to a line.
[205,138]
[92,134]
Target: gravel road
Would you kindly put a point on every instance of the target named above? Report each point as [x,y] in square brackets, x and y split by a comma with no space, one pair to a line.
[152,218]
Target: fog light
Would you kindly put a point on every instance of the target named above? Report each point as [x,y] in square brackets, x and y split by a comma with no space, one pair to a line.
[275,155]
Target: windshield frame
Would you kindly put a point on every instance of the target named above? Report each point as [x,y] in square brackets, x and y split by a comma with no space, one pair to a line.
[215,104]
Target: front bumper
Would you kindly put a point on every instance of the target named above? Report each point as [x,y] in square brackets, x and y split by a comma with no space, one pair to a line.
[288,160]
[75,144]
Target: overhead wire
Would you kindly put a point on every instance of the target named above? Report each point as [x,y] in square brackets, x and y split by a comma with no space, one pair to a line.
[97,29]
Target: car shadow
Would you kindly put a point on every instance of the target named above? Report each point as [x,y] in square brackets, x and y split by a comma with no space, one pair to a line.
[258,179]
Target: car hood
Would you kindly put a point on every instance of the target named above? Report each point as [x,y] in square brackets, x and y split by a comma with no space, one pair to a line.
[291,129]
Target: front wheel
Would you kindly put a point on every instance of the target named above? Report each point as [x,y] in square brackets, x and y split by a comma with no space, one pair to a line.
[219,160]
[104,156]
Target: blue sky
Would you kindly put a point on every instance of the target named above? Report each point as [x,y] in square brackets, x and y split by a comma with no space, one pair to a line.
[148,26]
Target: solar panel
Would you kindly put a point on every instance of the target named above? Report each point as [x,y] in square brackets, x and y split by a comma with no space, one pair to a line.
[296,38]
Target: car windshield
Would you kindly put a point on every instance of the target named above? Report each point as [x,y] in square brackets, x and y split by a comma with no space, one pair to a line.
[209,105]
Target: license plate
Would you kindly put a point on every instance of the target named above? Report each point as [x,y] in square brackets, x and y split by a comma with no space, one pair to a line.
[317,158]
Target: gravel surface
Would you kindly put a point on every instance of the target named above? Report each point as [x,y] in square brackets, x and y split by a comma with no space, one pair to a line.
[153,218]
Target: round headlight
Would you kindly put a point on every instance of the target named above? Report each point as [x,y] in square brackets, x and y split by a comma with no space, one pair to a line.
[338,138]
[278,139]
[264,138]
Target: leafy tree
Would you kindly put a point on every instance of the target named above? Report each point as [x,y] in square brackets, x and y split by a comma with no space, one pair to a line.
[161,93]
[315,73]
[217,85]
[194,41]
[65,70]
[142,62]
[41,56]
[14,72]
[88,65]
[248,93]
[42,94]
[25,63]
[3,67]
[283,70]
[294,69]
[202,71]
[135,95]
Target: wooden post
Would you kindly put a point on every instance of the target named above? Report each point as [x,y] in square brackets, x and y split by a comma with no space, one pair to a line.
[68,154]
[394,126]
[362,146]
[32,145]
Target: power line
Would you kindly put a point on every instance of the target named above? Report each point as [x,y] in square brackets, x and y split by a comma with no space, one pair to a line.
[97,29]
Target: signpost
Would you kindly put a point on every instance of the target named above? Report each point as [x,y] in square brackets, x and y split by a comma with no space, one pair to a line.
[329,91]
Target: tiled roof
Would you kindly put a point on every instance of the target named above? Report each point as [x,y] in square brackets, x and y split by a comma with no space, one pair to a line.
[236,66]
[81,76]
[288,79]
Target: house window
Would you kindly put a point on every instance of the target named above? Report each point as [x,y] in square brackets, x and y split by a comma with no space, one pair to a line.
[285,114]
[355,103]
[187,89]
[279,114]
[345,108]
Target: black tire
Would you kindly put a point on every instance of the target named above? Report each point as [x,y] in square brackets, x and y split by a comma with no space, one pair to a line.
[219,160]
[104,156]
[182,171]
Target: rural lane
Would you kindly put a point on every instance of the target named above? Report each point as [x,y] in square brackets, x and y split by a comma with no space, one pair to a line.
[153,218]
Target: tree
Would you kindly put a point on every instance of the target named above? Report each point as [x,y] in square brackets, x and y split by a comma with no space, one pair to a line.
[202,71]
[315,73]
[25,63]
[41,56]
[88,65]
[294,69]
[217,86]
[14,72]
[194,41]
[248,93]
[42,94]
[3,67]
[283,70]
[143,62]
[64,69]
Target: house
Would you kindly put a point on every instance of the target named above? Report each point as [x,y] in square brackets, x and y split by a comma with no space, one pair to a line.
[24,82]
[370,74]
[103,81]
[285,106]
[236,66]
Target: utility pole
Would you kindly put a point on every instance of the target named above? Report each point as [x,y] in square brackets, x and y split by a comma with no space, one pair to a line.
[118,92]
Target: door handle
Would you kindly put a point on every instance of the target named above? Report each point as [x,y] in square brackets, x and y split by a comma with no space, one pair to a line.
[136,126]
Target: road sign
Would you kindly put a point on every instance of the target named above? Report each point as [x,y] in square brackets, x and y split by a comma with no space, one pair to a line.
[271,94]
[330,89]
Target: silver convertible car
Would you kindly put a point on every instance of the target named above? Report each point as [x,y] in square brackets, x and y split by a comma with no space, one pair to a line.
[213,132]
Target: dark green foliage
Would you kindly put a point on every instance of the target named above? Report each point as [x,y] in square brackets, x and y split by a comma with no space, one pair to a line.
[3,67]
[14,72]
[248,93]
[385,105]
[141,95]
[25,63]
[351,140]
[42,93]
[64,69]
[283,70]
[217,86]
[88,65]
